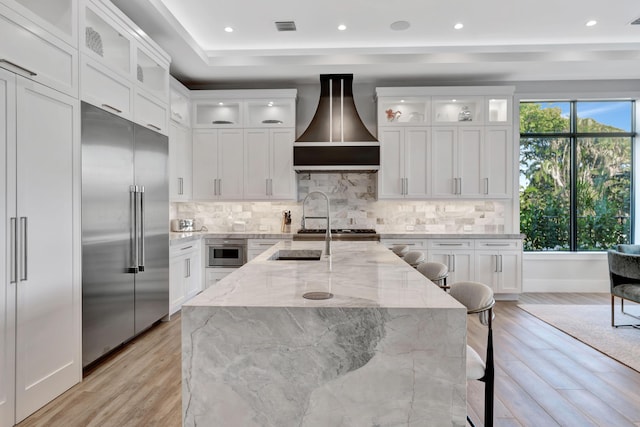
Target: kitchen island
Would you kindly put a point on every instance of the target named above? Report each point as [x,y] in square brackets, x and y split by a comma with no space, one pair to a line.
[387,349]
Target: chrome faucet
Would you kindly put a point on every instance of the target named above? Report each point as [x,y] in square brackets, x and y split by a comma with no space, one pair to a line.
[327,237]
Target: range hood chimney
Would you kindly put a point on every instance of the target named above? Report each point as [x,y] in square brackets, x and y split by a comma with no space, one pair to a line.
[336,139]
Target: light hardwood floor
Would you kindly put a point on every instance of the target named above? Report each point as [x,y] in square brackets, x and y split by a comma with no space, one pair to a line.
[543,378]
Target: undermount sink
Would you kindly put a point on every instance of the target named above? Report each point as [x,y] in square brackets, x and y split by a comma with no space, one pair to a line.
[297,255]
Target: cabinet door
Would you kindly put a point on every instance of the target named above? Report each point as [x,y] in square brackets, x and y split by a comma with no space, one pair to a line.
[469,157]
[282,185]
[106,89]
[7,250]
[194,284]
[487,263]
[179,163]
[48,310]
[177,278]
[416,158]
[230,164]
[257,162]
[214,275]
[391,173]
[151,113]
[510,272]
[443,162]
[497,162]
[205,164]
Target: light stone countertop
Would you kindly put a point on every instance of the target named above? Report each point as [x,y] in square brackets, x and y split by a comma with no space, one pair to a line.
[359,274]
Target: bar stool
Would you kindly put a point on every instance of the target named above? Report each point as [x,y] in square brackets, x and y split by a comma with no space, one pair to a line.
[437,272]
[414,258]
[400,250]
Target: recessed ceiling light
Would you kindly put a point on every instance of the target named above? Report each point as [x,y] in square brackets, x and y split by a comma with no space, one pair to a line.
[220,103]
[342,27]
[399,25]
[270,104]
[228,29]
[458,26]
[591,23]
[453,100]
[402,100]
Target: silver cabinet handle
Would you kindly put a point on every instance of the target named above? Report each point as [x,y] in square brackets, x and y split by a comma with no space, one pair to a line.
[219,186]
[13,64]
[270,187]
[180,186]
[500,263]
[486,186]
[450,244]
[142,228]
[133,191]
[152,126]
[495,270]
[215,186]
[14,249]
[24,237]
[185,248]
[266,185]
[187,268]
[497,244]
[112,108]
[454,263]
[406,186]
[459,185]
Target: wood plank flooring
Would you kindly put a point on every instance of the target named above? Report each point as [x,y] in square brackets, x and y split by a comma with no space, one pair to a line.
[543,378]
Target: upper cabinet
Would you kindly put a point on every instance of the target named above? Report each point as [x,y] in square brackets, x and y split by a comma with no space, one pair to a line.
[123,71]
[446,142]
[180,103]
[261,108]
[39,42]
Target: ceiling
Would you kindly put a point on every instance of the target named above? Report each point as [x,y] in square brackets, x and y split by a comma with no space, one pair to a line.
[502,40]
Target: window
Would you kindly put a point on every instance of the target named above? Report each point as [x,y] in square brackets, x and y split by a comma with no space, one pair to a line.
[576,174]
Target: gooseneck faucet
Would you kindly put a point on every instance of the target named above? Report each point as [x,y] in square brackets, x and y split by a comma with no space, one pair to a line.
[327,237]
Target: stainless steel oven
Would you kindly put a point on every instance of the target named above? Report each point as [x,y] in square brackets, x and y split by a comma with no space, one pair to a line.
[226,252]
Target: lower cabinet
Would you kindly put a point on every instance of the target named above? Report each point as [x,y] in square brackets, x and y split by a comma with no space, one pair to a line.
[256,246]
[185,268]
[214,275]
[494,262]
[457,255]
[499,265]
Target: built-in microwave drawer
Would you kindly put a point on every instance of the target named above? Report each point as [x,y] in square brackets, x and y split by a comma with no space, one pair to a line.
[226,252]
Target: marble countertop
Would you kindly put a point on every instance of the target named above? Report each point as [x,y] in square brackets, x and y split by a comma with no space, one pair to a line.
[358,274]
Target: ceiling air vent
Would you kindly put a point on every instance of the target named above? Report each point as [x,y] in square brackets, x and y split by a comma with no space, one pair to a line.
[285,25]
[636,22]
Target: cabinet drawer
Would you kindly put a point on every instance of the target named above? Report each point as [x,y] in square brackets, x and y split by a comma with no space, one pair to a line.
[185,248]
[105,89]
[452,244]
[414,244]
[150,113]
[28,53]
[498,244]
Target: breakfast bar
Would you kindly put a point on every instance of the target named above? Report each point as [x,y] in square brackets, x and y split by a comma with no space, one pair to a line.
[386,348]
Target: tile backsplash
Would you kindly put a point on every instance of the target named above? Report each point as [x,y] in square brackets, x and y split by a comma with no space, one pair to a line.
[353,205]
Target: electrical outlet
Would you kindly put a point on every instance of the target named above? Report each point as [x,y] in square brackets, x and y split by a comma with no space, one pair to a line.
[264,228]
[410,228]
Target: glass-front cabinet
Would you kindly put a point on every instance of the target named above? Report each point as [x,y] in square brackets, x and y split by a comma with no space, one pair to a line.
[105,41]
[217,113]
[269,112]
[57,16]
[151,75]
[408,110]
[499,110]
[459,110]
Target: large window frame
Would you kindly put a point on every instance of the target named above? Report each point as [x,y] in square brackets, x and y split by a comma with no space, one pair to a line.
[573,136]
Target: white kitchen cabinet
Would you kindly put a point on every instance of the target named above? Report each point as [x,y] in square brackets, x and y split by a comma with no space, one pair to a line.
[404,162]
[122,71]
[268,168]
[180,163]
[498,264]
[214,275]
[257,246]
[457,255]
[43,48]
[180,103]
[497,162]
[218,164]
[41,273]
[403,110]
[413,244]
[185,274]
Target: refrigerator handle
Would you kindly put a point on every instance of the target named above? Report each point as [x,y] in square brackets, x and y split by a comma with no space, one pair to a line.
[142,229]
[133,191]
[23,238]
[14,250]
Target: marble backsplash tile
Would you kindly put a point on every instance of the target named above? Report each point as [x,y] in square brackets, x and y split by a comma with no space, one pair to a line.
[353,205]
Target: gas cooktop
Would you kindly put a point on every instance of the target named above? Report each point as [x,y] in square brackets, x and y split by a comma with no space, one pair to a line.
[337,234]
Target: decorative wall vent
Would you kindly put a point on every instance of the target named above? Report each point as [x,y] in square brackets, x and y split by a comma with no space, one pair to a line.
[285,25]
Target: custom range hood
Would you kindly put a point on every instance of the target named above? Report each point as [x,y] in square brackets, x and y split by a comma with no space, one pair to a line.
[336,139]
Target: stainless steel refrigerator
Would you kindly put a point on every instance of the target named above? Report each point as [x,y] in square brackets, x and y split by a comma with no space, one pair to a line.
[125,230]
